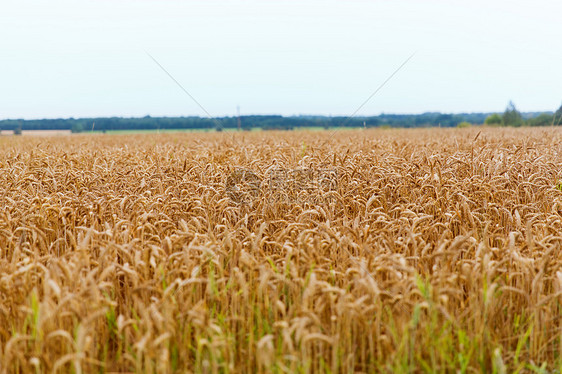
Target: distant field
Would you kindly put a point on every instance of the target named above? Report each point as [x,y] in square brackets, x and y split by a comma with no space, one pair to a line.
[213,130]
[39,132]
[399,251]
[163,131]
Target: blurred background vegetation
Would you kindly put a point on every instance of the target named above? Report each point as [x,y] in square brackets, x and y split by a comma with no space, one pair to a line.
[510,117]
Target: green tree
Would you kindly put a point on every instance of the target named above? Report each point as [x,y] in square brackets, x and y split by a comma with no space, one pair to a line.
[18,129]
[557,117]
[77,127]
[511,116]
[493,120]
[544,119]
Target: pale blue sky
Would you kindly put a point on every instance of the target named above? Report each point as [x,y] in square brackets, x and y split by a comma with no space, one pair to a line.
[76,58]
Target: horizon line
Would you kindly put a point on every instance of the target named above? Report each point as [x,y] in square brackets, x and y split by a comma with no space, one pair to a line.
[268,114]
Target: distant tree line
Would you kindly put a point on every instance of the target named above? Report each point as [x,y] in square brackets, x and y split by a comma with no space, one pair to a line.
[511,117]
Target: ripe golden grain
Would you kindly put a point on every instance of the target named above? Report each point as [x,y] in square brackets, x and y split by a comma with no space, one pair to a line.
[435,249]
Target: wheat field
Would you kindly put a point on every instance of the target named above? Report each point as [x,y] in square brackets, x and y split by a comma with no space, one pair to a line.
[367,251]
